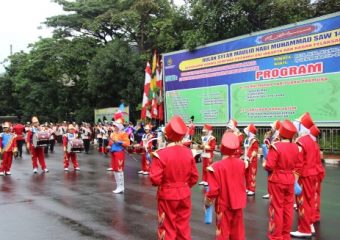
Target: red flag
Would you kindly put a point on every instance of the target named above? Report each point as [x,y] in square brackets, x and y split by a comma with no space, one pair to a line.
[146,101]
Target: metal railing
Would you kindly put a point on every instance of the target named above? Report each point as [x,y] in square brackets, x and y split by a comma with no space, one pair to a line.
[329,139]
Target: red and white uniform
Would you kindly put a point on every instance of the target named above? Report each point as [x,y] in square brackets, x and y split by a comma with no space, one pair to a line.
[251,151]
[283,161]
[146,148]
[307,181]
[37,153]
[8,145]
[239,152]
[191,130]
[69,155]
[19,130]
[227,185]
[209,143]
[320,176]
[174,171]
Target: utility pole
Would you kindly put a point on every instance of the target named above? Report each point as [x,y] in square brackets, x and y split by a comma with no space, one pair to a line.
[10,50]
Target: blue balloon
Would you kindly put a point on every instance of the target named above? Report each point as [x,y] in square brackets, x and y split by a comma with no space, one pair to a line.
[297,188]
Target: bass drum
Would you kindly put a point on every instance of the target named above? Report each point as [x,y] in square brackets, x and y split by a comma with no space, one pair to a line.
[75,145]
[41,139]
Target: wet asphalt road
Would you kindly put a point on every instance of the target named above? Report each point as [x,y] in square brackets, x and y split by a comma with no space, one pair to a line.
[81,205]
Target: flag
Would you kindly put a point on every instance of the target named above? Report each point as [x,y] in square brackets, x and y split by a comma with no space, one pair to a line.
[153,88]
[146,102]
[160,87]
[154,73]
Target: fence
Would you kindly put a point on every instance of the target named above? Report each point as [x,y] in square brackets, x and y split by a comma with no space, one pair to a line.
[329,139]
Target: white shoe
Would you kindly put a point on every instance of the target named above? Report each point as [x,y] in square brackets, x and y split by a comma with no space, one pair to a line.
[45,170]
[266,196]
[120,182]
[35,170]
[312,229]
[109,169]
[295,206]
[2,173]
[250,193]
[300,234]
[77,169]
[8,173]
[145,173]
[140,172]
[66,169]
[205,184]
[201,183]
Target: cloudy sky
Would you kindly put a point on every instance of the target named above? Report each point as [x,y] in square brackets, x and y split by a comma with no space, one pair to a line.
[20,21]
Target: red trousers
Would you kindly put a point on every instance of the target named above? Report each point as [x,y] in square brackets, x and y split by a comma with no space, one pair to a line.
[317,199]
[72,157]
[145,164]
[306,203]
[281,210]
[206,163]
[230,225]
[174,219]
[117,161]
[251,175]
[6,164]
[37,154]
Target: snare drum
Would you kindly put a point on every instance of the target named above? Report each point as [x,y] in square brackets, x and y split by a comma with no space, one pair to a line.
[75,145]
[41,139]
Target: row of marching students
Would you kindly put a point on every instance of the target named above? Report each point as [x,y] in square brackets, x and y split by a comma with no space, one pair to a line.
[13,137]
[292,163]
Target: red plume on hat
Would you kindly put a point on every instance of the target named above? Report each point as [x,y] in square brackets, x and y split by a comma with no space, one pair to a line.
[306,120]
[208,127]
[232,124]
[314,130]
[229,143]
[118,117]
[276,125]
[287,129]
[176,129]
[251,128]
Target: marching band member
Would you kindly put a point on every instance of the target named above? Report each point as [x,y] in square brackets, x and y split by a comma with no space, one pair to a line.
[118,140]
[208,146]
[307,179]
[146,146]
[270,137]
[283,163]
[52,131]
[19,130]
[191,128]
[226,180]
[314,132]
[69,136]
[100,131]
[232,127]
[8,146]
[251,148]
[173,170]
[86,136]
[37,153]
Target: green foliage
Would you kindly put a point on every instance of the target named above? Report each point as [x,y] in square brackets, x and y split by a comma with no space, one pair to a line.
[99,49]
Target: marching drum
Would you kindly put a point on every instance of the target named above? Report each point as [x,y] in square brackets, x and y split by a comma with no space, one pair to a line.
[41,139]
[75,145]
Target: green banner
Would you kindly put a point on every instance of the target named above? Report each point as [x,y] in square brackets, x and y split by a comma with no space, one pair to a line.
[208,104]
[288,98]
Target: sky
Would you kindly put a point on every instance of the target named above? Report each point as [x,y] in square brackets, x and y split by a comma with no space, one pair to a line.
[20,23]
